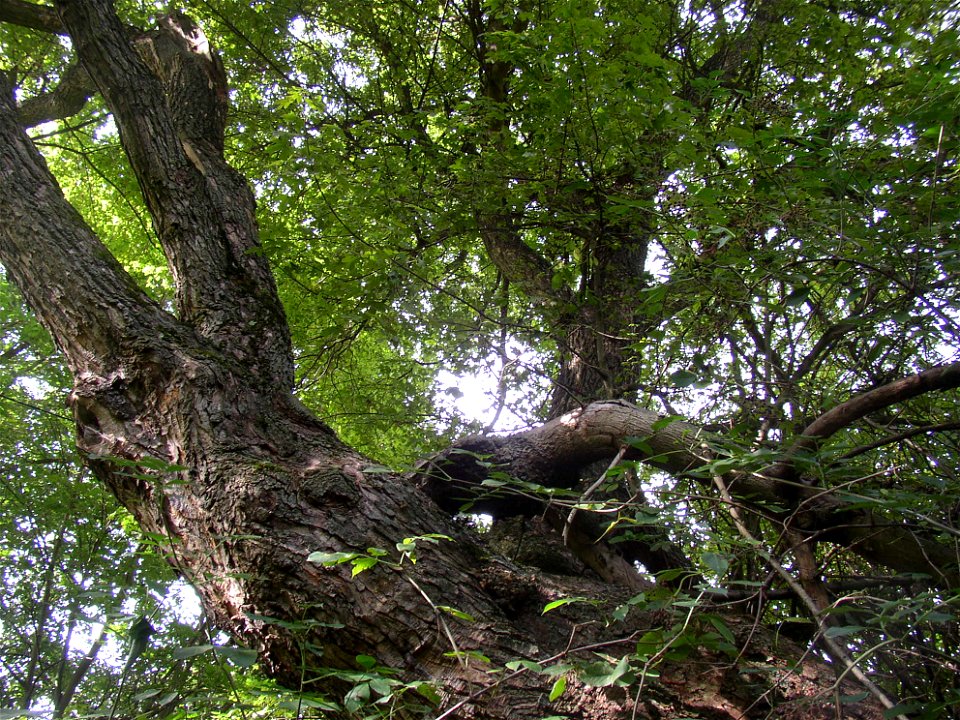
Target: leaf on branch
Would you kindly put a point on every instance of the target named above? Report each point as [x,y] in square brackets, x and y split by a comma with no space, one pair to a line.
[558,687]
[330,559]
[566,601]
[602,674]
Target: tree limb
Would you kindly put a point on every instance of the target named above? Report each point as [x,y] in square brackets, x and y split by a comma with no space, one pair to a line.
[168,95]
[905,435]
[67,99]
[43,236]
[31,15]
[816,608]
[554,454]
[944,377]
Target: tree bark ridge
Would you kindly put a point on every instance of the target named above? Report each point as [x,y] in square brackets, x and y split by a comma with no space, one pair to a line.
[202,210]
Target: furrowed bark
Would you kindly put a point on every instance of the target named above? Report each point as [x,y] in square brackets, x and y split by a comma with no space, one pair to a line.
[91,306]
[31,15]
[170,109]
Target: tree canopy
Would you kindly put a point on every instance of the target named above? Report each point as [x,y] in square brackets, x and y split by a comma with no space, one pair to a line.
[699,258]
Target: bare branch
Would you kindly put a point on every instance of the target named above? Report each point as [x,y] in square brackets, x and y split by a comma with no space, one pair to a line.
[899,437]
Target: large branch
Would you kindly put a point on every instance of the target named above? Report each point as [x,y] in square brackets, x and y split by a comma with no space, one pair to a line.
[66,100]
[520,264]
[91,306]
[31,15]
[168,97]
[554,454]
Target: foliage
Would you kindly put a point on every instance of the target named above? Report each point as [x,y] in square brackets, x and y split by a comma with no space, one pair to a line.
[789,185]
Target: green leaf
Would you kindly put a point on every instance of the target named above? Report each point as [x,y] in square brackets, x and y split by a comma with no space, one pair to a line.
[362,563]
[716,562]
[853,699]
[241,657]
[426,690]
[330,559]
[147,694]
[682,378]
[665,422]
[559,685]
[565,601]
[723,629]
[468,655]
[357,697]
[366,662]
[797,297]
[604,674]
[184,653]
[383,686]
[459,614]
[515,665]
[843,630]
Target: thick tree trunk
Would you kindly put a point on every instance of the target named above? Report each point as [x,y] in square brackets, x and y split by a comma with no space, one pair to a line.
[190,422]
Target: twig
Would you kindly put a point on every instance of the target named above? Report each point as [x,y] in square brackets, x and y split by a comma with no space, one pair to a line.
[837,652]
[560,655]
[588,492]
[443,623]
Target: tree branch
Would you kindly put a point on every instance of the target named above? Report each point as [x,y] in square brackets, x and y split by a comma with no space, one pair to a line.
[838,652]
[519,263]
[944,377]
[31,15]
[67,99]
[555,454]
[169,99]
[905,435]
[42,236]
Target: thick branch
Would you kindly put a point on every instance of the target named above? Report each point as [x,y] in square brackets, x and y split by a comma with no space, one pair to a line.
[30,15]
[90,305]
[553,454]
[738,53]
[169,101]
[66,100]
[520,264]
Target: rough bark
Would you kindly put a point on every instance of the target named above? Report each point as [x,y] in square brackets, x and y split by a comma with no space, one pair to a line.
[31,15]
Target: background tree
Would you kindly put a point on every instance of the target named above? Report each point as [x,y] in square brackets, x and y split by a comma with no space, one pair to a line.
[741,218]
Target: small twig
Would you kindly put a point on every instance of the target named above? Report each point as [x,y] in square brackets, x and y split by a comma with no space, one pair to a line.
[443,623]
[588,492]
[837,652]
[663,651]
[559,656]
